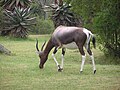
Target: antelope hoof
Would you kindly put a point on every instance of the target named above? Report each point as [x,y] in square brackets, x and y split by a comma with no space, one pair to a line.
[60,70]
[81,71]
[94,71]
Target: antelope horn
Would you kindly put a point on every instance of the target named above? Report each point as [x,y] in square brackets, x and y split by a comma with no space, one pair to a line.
[37,45]
[43,46]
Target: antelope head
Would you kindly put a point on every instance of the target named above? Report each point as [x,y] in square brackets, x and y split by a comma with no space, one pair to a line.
[41,54]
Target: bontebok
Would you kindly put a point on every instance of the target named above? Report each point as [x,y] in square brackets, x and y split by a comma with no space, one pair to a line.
[67,37]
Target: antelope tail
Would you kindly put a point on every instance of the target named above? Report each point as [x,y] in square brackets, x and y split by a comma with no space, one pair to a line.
[89,35]
[94,41]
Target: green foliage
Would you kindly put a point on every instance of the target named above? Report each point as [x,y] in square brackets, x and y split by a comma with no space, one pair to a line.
[17,22]
[63,16]
[37,8]
[17,17]
[102,16]
[107,26]
[11,4]
[87,10]
[43,26]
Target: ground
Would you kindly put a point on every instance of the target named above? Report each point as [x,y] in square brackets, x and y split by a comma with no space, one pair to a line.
[20,71]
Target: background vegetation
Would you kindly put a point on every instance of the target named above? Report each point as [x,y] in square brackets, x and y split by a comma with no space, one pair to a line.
[102,17]
[42,26]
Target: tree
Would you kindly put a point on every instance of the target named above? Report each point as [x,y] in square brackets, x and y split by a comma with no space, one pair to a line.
[17,17]
[107,24]
[17,22]
[62,15]
[37,8]
[102,17]
[86,9]
[11,4]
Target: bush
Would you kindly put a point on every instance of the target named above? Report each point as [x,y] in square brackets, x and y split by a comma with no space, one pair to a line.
[107,26]
[43,26]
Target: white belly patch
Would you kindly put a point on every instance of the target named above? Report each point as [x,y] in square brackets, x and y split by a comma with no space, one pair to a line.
[70,45]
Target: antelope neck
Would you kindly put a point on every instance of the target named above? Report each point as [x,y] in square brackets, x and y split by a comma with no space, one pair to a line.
[48,48]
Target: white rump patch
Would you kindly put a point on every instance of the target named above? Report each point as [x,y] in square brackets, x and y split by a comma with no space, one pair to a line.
[87,32]
[70,45]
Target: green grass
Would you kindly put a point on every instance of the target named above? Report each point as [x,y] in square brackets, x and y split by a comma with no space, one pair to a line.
[20,71]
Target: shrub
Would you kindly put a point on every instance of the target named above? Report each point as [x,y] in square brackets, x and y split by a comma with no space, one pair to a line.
[18,22]
[43,26]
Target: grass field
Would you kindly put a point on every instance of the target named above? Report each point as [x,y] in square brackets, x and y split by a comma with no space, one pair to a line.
[20,71]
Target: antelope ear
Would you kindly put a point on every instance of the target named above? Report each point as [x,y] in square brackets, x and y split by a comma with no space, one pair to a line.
[38,52]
